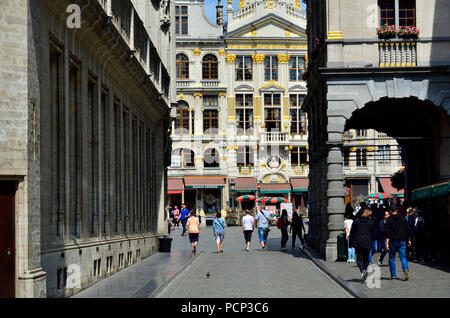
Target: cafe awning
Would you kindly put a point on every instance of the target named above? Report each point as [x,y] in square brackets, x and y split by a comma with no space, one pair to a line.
[175,185]
[269,188]
[244,184]
[386,184]
[299,184]
[204,182]
[434,190]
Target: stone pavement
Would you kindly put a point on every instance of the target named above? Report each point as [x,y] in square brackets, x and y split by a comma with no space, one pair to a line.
[425,280]
[240,274]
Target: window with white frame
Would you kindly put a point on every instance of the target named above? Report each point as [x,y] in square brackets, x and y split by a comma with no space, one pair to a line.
[244,114]
[272,112]
[296,68]
[243,68]
[298,116]
[384,154]
[271,68]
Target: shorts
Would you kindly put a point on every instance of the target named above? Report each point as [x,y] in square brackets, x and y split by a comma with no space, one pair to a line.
[219,236]
[193,237]
[248,236]
[263,232]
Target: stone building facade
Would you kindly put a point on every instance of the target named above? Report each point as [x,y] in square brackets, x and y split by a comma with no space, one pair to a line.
[397,86]
[84,122]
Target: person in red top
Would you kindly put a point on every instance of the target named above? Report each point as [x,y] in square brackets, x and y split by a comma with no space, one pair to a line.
[176,217]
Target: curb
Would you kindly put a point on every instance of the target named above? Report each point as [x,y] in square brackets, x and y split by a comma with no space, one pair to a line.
[167,282]
[350,289]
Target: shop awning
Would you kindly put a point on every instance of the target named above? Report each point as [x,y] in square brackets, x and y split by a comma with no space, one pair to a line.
[204,182]
[434,190]
[386,184]
[175,185]
[300,184]
[244,184]
[268,188]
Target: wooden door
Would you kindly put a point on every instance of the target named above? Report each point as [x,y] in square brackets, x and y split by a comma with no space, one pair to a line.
[7,239]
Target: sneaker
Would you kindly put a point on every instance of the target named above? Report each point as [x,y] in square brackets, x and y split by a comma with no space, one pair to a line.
[247,249]
[195,250]
[363,276]
[349,261]
[283,248]
[406,275]
[394,277]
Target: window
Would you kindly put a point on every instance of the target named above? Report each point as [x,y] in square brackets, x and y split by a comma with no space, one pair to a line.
[210,67]
[184,122]
[244,156]
[270,68]
[212,158]
[181,20]
[272,112]
[296,68]
[95,154]
[406,13]
[211,101]
[384,154]
[244,68]
[298,117]
[182,158]
[299,156]
[210,122]
[361,157]
[244,114]
[361,132]
[182,66]
[346,156]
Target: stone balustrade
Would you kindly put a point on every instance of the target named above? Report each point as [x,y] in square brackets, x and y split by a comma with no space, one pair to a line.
[274,137]
[397,54]
[210,83]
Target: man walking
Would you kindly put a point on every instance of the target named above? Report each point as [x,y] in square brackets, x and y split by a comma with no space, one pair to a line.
[184,214]
[262,219]
[362,234]
[398,237]
[382,237]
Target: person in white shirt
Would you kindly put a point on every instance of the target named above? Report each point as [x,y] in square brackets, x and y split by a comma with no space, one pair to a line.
[248,225]
[348,226]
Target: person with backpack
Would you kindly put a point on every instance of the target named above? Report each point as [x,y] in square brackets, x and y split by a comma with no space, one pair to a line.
[282,224]
[362,235]
[296,229]
[263,220]
[398,236]
[219,231]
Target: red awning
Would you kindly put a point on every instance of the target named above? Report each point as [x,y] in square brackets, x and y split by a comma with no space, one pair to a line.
[388,188]
[268,188]
[204,182]
[244,184]
[175,185]
[300,184]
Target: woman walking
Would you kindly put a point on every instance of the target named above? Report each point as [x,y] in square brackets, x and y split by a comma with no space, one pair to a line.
[282,224]
[219,231]
[176,216]
[348,221]
[193,226]
[248,225]
[296,229]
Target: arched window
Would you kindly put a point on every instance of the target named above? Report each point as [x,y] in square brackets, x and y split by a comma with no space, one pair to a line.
[184,123]
[183,158]
[210,67]
[212,158]
[182,66]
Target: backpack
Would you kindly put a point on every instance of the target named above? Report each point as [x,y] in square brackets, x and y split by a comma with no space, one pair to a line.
[280,223]
[419,224]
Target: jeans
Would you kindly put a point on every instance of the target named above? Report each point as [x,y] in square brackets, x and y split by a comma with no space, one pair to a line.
[373,250]
[263,233]
[362,258]
[351,251]
[284,237]
[393,248]
[183,223]
[383,249]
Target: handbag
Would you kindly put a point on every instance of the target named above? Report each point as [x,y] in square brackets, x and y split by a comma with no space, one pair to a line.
[268,221]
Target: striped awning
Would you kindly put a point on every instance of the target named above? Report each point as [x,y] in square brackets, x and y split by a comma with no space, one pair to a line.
[300,184]
[268,188]
[175,185]
[388,188]
[204,182]
[246,184]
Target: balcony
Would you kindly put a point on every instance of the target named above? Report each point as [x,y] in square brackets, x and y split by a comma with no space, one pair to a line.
[244,12]
[210,83]
[275,138]
[184,83]
[397,53]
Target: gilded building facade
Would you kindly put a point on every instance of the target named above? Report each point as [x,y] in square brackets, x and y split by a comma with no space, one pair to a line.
[86,94]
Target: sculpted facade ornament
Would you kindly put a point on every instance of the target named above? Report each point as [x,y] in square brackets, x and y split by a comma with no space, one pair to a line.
[258,58]
[222,52]
[230,58]
[283,58]
[197,51]
[164,13]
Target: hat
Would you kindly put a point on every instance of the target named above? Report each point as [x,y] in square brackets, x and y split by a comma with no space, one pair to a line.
[410,211]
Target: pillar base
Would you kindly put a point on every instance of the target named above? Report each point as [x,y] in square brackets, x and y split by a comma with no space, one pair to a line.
[32,284]
[331,251]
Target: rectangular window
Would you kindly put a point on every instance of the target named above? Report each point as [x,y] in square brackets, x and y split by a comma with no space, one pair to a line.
[272,112]
[387,12]
[296,68]
[181,20]
[384,154]
[244,68]
[126,168]
[361,157]
[210,122]
[361,132]
[406,12]
[298,117]
[118,165]
[94,178]
[211,101]
[244,114]
[299,156]
[271,68]
[244,156]
[106,157]
[346,156]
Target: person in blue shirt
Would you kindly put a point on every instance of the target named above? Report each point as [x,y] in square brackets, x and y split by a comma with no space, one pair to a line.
[219,231]
[184,215]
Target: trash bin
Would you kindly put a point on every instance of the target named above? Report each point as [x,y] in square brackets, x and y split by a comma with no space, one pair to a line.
[164,244]
[341,250]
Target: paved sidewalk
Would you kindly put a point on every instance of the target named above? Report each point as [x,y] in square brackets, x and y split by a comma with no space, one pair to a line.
[425,280]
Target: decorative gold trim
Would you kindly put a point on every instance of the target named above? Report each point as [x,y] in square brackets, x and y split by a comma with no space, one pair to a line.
[241,4]
[222,52]
[197,94]
[231,118]
[255,147]
[181,96]
[352,148]
[230,58]
[287,33]
[222,95]
[283,58]
[272,82]
[267,46]
[254,32]
[258,58]
[334,35]
[197,52]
